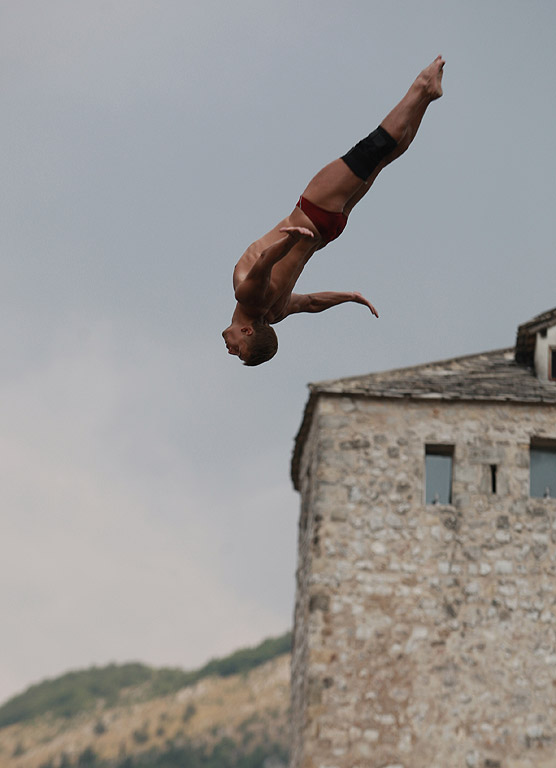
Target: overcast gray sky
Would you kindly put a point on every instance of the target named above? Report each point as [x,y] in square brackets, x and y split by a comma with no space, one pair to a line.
[147,510]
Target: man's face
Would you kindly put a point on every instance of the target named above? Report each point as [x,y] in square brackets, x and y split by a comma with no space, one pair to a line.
[236,342]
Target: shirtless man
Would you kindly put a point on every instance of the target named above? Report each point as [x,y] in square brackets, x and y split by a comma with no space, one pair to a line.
[266,274]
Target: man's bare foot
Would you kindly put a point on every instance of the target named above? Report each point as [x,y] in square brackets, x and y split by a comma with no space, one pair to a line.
[431,78]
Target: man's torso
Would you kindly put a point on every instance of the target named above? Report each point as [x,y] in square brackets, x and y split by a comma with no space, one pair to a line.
[287,271]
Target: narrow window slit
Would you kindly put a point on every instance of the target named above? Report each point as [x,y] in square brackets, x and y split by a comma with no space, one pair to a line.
[493,471]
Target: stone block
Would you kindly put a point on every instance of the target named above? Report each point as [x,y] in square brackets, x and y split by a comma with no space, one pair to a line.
[319,602]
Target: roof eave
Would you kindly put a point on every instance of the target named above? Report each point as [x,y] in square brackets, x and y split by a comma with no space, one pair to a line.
[317,391]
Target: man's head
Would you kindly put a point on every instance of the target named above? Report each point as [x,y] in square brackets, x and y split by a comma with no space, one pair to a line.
[262,344]
[253,344]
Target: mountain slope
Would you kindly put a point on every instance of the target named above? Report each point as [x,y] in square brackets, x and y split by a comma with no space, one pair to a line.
[233,721]
[80,691]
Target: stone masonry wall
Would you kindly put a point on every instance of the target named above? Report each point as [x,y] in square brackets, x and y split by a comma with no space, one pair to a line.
[308,525]
[425,636]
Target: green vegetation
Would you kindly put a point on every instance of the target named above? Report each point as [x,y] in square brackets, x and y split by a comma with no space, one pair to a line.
[73,692]
[141,735]
[225,754]
[100,728]
[190,712]
[249,658]
[76,692]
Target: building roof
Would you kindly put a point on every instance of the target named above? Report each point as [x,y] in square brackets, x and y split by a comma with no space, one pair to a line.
[487,376]
[490,376]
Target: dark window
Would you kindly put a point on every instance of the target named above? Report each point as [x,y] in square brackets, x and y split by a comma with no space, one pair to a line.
[552,364]
[543,469]
[493,471]
[438,474]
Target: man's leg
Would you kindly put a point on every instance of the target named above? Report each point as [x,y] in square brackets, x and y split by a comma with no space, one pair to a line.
[337,187]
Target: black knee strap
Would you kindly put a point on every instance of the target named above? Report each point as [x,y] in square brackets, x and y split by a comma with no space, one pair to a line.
[364,157]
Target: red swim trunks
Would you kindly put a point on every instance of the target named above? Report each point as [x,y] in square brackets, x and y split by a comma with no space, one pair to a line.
[330,224]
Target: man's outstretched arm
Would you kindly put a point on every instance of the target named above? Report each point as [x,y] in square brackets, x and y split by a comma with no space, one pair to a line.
[254,288]
[318,302]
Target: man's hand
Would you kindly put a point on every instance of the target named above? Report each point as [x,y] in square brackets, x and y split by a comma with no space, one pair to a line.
[319,302]
[297,232]
[359,299]
[255,290]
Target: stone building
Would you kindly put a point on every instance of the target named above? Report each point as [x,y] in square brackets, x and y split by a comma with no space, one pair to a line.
[425,626]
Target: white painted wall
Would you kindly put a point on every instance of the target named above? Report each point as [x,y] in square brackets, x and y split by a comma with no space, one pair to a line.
[542,348]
